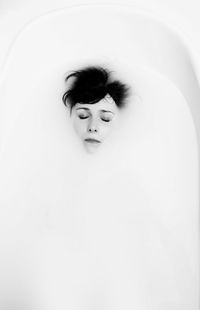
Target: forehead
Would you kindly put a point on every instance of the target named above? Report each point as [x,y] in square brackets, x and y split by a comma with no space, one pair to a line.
[98,106]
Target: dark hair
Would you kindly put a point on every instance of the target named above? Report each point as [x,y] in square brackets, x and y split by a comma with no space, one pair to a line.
[91,85]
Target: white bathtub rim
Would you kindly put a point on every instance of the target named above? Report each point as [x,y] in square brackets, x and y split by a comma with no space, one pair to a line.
[184,38]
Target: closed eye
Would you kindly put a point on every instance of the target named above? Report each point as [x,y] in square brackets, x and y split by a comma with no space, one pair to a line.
[106,120]
[83,117]
[103,119]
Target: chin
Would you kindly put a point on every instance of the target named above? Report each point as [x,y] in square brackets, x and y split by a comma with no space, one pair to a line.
[90,148]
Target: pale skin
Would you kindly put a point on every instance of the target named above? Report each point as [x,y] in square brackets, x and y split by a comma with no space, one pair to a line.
[94,121]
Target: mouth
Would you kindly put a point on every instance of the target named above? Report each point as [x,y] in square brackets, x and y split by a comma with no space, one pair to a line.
[92,140]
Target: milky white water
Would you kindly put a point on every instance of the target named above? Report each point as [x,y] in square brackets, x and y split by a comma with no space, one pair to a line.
[111,230]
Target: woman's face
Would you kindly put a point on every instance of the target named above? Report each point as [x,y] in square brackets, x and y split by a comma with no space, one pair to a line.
[93,122]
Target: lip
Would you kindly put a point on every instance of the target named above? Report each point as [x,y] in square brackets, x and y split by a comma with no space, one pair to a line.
[92,140]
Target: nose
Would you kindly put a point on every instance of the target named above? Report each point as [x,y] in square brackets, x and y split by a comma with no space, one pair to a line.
[92,126]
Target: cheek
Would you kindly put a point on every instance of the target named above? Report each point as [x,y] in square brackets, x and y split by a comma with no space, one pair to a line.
[111,126]
[79,126]
[105,129]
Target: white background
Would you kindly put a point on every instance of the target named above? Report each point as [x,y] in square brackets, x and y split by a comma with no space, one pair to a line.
[14,14]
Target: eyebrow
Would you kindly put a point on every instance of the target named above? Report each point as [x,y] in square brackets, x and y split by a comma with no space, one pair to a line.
[100,110]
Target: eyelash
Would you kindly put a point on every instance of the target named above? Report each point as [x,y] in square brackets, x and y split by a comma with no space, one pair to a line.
[102,119]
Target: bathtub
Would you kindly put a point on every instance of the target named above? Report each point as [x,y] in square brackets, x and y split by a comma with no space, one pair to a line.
[118,229]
